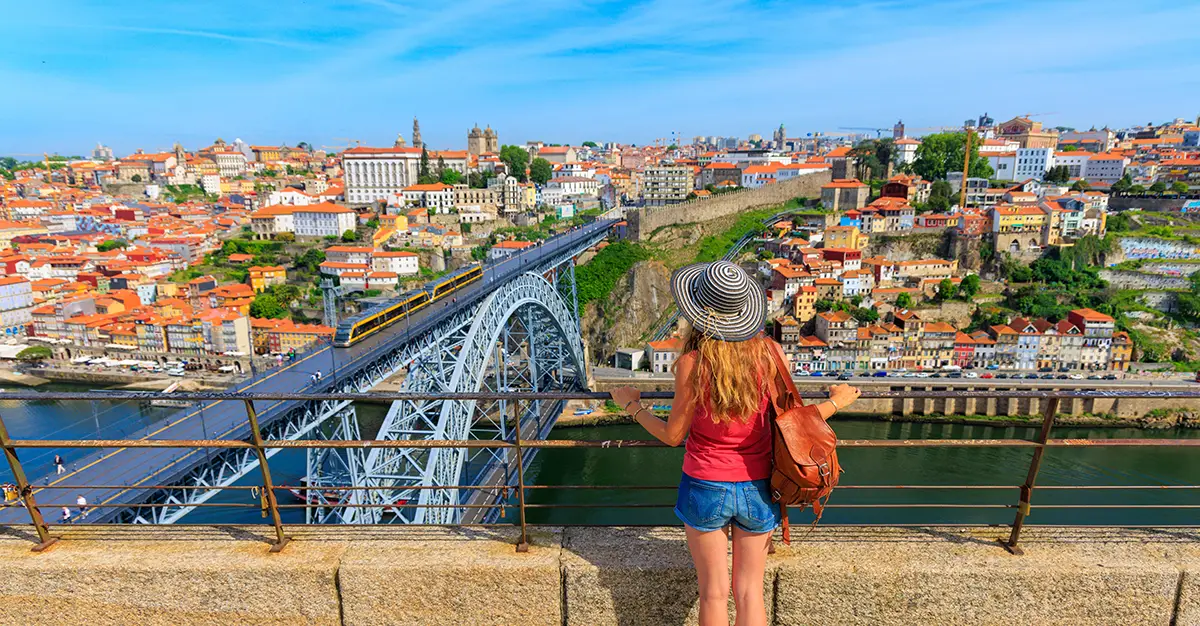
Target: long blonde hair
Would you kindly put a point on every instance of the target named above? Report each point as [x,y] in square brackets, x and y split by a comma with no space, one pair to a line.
[729,376]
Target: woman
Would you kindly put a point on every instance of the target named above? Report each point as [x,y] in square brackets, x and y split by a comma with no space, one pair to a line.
[723,387]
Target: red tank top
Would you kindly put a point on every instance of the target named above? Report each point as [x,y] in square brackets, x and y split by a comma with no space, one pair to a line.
[732,451]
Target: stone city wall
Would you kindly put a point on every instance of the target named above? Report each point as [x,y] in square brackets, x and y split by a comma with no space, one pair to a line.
[180,576]
[644,220]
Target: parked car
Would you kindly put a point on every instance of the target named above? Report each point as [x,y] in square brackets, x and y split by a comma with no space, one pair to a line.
[883,374]
[987,375]
[1041,369]
[1001,375]
[1076,377]
[819,373]
[974,375]
[847,376]
[1031,376]
[935,375]
[1061,377]
[1047,376]
[1093,376]
[1108,377]
[992,366]
[954,374]
[175,372]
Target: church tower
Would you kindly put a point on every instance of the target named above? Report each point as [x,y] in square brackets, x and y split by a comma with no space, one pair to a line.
[399,143]
[491,143]
[475,141]
[417,134]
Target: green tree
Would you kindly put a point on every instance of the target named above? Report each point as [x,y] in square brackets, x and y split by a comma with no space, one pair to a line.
[350,235]
[266,305]
[968,287]
[589,144]
[941,153]
[1057,174]
[904,301]
[1137,189]
[137,178]
[1123,185]
[112,244]
[450,177]
[34,353]
[1158,187]
[424,176]
[865,316]
[479,180]
[945,289]
[1080,185]
[1179,187]
[941,196]
[516,159]
[1069,148]
[540,171]
[672,147]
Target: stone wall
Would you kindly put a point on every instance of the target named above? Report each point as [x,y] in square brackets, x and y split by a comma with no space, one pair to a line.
[643,221]
[1126,279]
[1133,248]
[1170,205]
[592,576]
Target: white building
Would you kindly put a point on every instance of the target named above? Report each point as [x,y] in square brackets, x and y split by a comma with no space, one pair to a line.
[437,196]
[16,305]
[271,220]
[505,249]
[322,220]
[230,163]
[211,183]
[1106,168]
[1004,164]
[289,196]
[401,263]
[905,150]
[375,173]
[349,254]
[1075,162]
[1033,162]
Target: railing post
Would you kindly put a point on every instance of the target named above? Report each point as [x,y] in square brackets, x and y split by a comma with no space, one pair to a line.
[268,486]
[1035,464]
[25,491]
[523,542]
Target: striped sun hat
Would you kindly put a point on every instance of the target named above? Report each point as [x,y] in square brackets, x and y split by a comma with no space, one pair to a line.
[720,300]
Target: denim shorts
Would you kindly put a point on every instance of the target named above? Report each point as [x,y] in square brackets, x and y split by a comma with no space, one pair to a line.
[708,505]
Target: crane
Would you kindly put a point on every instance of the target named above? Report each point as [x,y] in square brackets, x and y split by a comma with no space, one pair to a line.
[878,131]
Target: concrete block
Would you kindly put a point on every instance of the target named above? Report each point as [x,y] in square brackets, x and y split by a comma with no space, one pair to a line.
[448,577]
[204,577]
[634,576]
[934,577]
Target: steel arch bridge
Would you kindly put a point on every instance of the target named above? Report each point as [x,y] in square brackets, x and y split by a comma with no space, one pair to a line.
[530,320]
[524,336]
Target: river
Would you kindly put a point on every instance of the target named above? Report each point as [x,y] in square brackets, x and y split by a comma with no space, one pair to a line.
[661,467]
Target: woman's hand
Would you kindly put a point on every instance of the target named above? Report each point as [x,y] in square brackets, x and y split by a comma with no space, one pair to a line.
[626,397]
[843,395]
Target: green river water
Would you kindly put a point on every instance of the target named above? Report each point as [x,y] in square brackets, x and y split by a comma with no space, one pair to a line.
[911,466]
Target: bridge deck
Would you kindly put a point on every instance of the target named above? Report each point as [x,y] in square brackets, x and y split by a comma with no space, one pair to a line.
[228,419]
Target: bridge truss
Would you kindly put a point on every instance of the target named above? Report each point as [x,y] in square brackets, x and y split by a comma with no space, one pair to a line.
[523,337]
[531,322]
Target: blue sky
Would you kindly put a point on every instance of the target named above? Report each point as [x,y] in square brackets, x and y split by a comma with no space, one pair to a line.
[147,74]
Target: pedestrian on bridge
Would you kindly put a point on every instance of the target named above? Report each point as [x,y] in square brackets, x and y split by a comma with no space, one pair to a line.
[729,379]
[66,515]
[81,503]
[59,467]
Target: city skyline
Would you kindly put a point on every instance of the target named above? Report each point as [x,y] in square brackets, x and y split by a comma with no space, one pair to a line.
[362,70]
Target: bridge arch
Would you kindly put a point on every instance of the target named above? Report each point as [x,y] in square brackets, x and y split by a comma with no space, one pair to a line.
[525,337]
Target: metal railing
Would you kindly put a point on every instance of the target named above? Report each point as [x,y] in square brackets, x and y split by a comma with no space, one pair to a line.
[271,507]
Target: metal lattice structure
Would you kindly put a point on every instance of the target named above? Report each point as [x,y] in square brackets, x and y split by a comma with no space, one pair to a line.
[524,337]
[535,318]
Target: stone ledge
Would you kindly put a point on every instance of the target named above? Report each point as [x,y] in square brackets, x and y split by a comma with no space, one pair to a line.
[372,575]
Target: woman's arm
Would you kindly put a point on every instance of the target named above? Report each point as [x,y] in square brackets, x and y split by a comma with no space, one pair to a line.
[675,429]
[840,397]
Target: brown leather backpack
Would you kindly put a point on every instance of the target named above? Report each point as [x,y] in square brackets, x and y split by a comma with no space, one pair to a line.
[805,458]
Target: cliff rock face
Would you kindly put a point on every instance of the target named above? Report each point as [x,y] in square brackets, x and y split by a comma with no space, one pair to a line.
[909,247]
[637,300]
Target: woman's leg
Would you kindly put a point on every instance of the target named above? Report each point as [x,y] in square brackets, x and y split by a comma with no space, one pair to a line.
[709,551]
[749,569]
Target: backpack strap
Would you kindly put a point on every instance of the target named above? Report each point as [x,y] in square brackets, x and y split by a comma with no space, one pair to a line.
[786,395]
